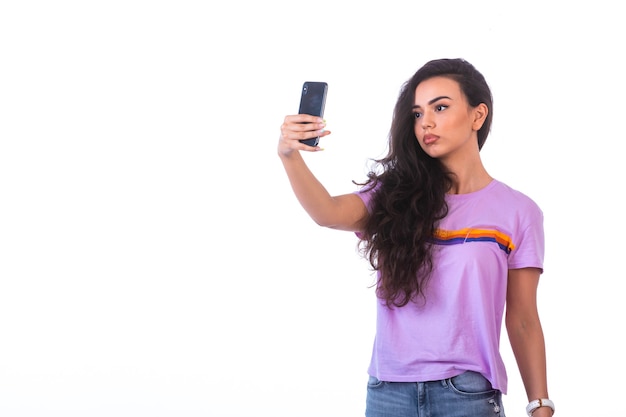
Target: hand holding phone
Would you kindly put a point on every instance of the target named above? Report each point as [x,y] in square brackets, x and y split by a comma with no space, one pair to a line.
[313,101]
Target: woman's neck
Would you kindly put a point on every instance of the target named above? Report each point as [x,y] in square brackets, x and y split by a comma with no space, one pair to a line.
[468,176]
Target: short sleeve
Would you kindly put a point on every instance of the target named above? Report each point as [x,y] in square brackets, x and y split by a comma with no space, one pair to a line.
[366,194]
[530,243]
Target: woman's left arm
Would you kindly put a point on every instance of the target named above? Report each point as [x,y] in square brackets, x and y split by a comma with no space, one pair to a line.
[526,334]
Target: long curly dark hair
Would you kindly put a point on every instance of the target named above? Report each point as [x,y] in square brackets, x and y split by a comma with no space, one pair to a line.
[410,190]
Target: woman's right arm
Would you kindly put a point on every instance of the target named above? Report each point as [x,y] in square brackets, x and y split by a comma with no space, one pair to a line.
[343,212]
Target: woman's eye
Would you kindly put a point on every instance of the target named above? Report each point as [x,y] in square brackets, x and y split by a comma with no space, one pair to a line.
[441,107]
[417,115]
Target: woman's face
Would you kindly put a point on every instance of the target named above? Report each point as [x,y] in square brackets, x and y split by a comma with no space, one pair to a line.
[445,124]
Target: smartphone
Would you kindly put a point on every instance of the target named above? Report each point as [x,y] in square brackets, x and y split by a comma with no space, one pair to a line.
[312,101]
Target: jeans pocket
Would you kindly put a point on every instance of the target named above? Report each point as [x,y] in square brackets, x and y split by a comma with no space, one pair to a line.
[374,382]
[470,383]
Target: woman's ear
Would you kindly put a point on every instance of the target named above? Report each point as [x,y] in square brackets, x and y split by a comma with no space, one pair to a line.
[480,115]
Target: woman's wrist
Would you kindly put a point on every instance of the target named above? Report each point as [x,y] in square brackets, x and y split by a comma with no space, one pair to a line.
[544,404]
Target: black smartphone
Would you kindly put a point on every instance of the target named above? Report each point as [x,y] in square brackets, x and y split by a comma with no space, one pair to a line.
[312,101]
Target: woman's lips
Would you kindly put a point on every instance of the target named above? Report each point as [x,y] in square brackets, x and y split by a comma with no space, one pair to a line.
[428,139]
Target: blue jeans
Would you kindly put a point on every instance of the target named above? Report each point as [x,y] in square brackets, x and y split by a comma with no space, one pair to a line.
[466,395]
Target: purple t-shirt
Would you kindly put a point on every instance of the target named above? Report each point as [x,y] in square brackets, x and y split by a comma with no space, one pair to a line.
[457,326]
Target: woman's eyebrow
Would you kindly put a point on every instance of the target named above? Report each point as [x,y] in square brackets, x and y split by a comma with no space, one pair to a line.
[432,101]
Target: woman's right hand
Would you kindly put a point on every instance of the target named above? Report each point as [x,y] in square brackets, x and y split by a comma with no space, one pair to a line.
[298,127]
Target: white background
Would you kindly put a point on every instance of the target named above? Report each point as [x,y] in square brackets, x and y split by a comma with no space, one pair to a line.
[153,261]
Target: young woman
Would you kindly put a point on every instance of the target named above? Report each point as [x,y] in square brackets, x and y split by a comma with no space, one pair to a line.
[455,250]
